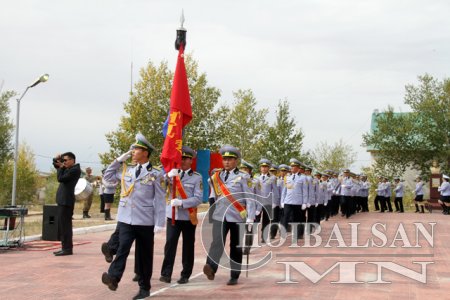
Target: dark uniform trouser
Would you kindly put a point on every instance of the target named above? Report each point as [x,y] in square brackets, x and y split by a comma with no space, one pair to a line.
[365,203]
[320,213]
[144,246]
[398,202]
[294,213]
[383,203]
[65,233]
[275,220]
[266,214]
[377,202]
[113,245]
[220,232]
[346,205]
[387,201]
[170,249]
[334,205]
[311,216]
[102,203]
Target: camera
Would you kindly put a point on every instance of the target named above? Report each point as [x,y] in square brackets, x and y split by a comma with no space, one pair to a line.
[57,160]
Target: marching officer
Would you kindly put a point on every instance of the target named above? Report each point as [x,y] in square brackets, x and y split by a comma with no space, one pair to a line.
[364,192]
[273,170]
[189,196]
[444,190]
[418,191]
[141,213]
[387,193]
[281,182]
[312,184]
[398,190]
[234,205]
[336,194]
[346,185]
[293,196]
[379,200]
[268,190]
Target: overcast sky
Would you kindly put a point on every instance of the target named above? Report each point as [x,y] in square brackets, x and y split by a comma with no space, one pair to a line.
[335,61]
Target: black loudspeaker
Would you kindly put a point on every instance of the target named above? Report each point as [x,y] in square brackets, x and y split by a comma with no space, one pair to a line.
[50,223]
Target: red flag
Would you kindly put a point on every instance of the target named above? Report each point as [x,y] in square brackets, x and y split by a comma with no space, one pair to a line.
[180,114]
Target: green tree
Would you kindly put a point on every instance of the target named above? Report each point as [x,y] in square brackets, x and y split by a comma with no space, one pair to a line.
[414,139]
[27,178]
[335,157]
[147,109]
[284,140]
[246,126]
[6,127]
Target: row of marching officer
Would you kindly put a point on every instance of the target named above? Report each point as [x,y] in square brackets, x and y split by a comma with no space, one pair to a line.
[287,194]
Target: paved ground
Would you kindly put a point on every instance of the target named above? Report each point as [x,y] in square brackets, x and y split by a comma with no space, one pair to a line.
[40,275]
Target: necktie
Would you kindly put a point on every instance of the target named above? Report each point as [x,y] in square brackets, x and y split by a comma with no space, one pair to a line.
[293,177]
[264,177]
[182,175]
[138,171]
[226,176]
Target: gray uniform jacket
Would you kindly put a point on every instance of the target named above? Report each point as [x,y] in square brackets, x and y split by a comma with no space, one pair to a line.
[330,189]
[347,185]
[322,192]
[192,184]
[365,186]
[387,191]
[314,193]
[444,189]
[380,189]
[419,188]
[294,190]
[239,185]
[145,205]
[267,188]
[398,190]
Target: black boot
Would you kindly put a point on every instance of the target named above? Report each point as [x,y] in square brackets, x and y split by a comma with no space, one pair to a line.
[86,215]
[108,215]
[422,208]
[445,210]
[417,208]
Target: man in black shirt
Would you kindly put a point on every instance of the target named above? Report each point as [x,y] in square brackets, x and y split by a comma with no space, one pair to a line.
[68,173]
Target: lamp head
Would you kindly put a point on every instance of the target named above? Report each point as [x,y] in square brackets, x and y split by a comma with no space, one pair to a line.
[43,78]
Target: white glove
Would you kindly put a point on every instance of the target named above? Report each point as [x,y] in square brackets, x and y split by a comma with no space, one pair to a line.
[308,205]
[282,204]
[124,156]
[317,204]
[325,204]
[303,206]
[257,213]
[274,205]
[172,173]
[176,202]
[158,229]
[343,186]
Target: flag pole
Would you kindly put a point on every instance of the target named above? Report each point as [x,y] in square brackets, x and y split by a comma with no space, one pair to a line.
[174,193]
[180,42]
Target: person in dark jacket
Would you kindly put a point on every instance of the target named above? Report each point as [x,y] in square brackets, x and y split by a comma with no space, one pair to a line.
[68,173]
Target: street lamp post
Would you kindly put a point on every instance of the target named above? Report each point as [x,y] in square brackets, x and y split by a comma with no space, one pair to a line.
[43,78]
